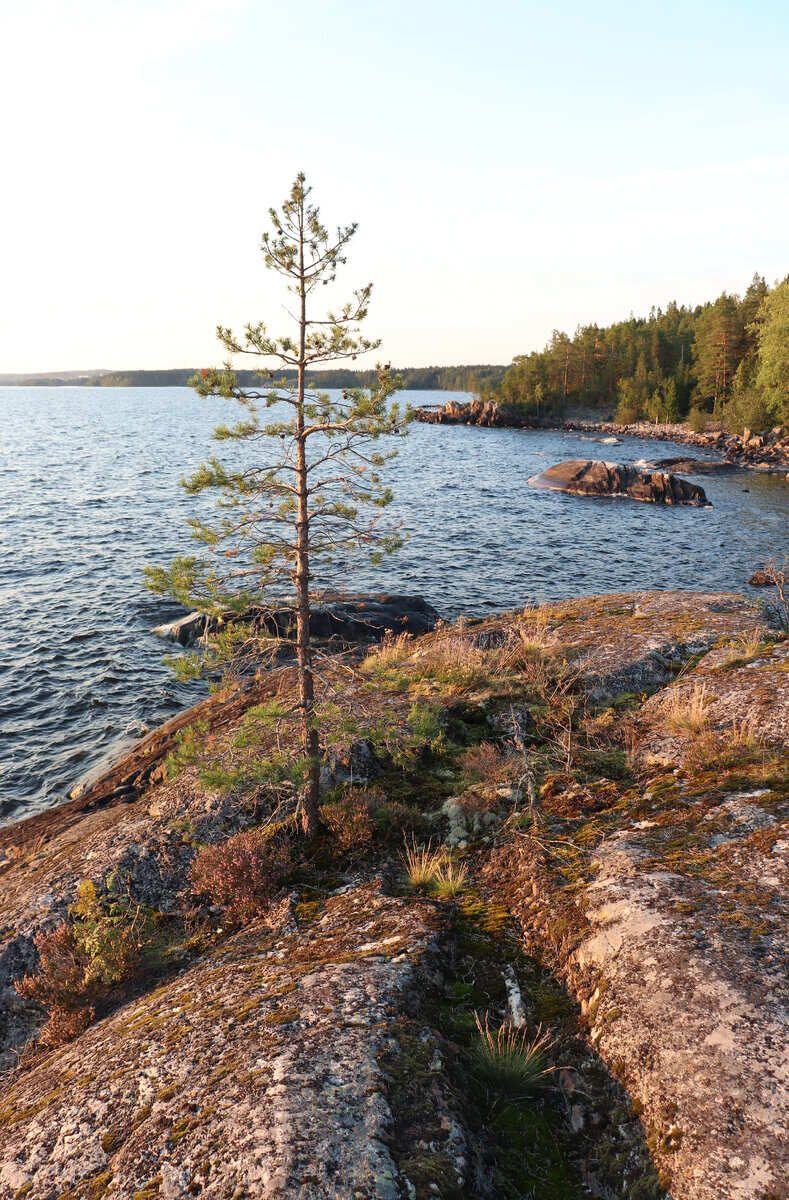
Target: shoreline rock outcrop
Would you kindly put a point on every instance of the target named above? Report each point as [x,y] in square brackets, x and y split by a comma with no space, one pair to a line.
[768,451]
[591,477]
[620,765]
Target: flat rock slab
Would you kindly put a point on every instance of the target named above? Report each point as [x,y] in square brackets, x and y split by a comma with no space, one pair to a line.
[344,618]
[591,477]
[632,642]
[740,692]
[254,1073]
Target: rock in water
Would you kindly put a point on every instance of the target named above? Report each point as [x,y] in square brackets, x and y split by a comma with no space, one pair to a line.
[594,478]
[341,618]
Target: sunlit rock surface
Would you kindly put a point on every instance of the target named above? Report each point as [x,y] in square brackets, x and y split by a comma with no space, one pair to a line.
[320,1050]
[596,478]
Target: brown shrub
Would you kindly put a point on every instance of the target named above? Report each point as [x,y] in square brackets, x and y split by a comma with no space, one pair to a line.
[563,796]
[63,1025]
[59,984]
[243,873]
[60,979]
[485,764]
[348,819]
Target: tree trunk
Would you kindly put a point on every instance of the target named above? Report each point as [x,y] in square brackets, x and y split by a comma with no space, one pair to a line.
[310,742]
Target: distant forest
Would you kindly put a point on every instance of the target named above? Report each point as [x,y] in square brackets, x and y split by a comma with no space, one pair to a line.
[450,379]
[727,359]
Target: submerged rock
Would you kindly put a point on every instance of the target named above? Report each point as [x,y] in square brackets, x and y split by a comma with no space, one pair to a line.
[596,478]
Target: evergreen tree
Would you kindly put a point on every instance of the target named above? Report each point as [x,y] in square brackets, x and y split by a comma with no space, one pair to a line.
[719,347]
[772,375]
[317,493]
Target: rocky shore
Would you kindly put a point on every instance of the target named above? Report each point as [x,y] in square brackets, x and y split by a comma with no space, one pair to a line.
[601,788]
[761,452]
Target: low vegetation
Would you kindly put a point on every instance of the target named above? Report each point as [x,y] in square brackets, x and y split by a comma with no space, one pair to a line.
[687,711]
[241,874]
[109,942]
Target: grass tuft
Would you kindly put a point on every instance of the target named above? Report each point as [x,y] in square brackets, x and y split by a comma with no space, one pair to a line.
[511,1062]
[450,879]
[422,864]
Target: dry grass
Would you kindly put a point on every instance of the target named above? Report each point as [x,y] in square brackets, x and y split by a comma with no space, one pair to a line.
[686,712]
[511,1062]
[422,863]
[458,658]
[536,639]
[432,870]
[392,652]
[745,647]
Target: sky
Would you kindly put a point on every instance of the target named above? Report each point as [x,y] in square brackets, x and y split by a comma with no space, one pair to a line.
[514,167]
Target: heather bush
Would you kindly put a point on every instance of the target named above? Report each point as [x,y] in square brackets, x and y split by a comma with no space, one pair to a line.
[59,980]
[65,1024]
[109,939]
[348,819]
[242,874]
[485,765]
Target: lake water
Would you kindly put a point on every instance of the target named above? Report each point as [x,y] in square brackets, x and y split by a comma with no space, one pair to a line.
[89,495]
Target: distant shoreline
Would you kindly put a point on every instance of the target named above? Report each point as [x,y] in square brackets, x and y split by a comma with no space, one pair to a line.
[458,378]
[767,452]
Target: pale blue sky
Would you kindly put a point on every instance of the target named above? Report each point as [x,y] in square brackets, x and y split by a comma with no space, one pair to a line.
[514,167]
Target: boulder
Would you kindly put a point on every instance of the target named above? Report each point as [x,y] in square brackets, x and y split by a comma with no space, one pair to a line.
[185,630]
[595,478]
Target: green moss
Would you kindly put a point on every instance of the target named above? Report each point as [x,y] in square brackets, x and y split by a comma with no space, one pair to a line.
[282,1016]
[111,1141]
[150,1190]
[89,1189]
[11,1115]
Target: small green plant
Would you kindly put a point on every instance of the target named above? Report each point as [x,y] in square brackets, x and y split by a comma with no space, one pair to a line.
[189,747]
[113,931]
[276,770]
[259,722]
[509,1061]
[450,879]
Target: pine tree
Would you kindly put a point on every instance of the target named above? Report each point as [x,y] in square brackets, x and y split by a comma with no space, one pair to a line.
[316,493]
[719,347]
[772,375]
